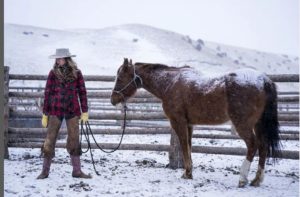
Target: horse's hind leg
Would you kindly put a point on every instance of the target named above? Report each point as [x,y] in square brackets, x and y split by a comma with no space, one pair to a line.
[262,152]
[248,136]
[181,129]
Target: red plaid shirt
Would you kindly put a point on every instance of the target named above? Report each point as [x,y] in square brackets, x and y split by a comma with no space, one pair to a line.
[62,98]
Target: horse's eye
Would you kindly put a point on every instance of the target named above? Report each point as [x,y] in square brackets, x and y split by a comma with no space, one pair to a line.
[120,80]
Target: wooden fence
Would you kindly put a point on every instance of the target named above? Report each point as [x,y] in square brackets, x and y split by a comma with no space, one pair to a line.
[145,117]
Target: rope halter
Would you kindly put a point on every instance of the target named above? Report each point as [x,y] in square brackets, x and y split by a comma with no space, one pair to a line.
[135,76]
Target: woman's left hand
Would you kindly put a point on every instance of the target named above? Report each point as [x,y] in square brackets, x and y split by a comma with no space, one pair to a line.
[84,117]
[44,120]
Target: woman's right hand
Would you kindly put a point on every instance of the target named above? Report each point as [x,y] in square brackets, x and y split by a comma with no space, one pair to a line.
[45,121]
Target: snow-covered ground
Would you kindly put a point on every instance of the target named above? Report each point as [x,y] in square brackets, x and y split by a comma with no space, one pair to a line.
[143,173]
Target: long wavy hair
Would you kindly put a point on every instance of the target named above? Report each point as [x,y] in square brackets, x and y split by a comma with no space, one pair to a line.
[70,73]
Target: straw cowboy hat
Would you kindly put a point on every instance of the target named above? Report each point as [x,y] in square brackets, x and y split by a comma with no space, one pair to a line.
[61,53]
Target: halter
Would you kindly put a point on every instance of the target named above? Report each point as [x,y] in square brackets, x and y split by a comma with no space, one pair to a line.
[135,76]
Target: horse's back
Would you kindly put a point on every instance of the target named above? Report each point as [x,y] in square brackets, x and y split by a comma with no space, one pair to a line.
[217,99]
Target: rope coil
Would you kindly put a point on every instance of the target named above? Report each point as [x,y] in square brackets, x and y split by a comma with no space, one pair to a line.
[88,131]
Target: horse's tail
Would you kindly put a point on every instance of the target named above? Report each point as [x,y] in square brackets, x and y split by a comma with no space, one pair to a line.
[268,124]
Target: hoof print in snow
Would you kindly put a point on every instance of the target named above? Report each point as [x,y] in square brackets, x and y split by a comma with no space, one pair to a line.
[27,156]
[146,162]
[114,168]
[236,172]
[78,187]
[30,186]
[8,191]
[155,182]
[198,185]
[61,188]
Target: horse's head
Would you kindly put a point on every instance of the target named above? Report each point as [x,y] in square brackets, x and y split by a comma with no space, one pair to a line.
[127,82]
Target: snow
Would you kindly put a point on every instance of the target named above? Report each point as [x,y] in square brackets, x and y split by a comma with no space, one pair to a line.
[248,76]
[209,82]
[206,84]
[143,173]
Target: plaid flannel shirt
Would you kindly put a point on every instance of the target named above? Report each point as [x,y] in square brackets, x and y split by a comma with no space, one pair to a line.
[62,98]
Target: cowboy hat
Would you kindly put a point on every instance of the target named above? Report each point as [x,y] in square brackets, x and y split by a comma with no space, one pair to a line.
[61,53]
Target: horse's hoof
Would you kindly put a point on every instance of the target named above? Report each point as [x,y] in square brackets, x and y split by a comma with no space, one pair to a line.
[255,182]
[185,176]
[242,184]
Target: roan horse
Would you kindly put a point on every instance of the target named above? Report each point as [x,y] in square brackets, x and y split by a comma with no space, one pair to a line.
[245,97]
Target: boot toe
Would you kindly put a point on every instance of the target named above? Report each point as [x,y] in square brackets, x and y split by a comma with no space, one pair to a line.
[42,176]
[81,175]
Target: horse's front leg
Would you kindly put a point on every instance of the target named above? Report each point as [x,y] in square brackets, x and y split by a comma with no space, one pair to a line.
[181,129]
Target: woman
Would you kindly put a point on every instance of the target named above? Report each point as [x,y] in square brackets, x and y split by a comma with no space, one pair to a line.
[65,84]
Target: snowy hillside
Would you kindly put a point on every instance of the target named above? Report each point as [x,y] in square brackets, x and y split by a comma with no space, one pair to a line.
[101,51]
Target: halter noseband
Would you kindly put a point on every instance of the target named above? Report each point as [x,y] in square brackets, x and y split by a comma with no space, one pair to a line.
[135,76]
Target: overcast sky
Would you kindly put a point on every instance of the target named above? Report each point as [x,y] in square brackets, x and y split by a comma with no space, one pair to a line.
[267,25]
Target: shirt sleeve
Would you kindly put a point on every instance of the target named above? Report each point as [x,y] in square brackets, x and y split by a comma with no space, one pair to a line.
[82,92]
[49,84]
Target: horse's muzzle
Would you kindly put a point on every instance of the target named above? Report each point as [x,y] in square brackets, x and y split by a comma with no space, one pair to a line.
[115,99]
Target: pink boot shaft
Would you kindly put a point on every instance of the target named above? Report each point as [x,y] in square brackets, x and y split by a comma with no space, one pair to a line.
[77,173]
[46,168]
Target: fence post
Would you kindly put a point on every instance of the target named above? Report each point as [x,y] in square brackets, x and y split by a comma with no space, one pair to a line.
[175,153]
[6,110]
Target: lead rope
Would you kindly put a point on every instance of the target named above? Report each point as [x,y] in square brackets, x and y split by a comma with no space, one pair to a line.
[89,130]
[86,135]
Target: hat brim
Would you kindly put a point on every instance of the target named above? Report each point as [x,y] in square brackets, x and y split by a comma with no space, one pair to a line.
[57,56]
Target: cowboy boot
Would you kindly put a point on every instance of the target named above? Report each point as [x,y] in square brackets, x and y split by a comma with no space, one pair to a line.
[77,173]
[46,168]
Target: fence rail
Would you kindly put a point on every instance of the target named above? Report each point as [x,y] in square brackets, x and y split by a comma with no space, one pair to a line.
[151,147]
[130,116]
[275,78]
[140,94]
[34,132]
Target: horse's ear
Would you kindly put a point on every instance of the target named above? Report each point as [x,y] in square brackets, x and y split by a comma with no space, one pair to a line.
[130,61]
[125,63]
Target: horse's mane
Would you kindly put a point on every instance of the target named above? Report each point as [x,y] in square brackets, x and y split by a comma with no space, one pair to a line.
[154,66]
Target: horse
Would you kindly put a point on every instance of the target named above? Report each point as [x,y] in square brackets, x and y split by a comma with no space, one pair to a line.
[245,97]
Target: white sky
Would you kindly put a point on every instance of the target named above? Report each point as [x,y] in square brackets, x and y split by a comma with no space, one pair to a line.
[267,25]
